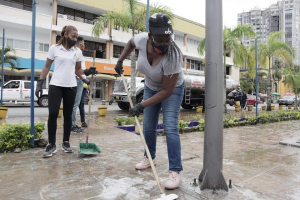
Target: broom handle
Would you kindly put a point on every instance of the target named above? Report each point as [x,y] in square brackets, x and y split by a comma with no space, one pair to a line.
[90,101]
[143,139]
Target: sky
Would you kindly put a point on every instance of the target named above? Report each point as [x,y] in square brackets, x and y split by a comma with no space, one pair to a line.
[195,9]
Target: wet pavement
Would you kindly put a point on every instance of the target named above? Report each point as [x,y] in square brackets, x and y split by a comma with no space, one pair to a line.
[259,167]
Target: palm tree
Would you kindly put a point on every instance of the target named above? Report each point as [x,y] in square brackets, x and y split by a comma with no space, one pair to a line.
[247,86]
[292,79]
[9,57]
[274,48]
[133,17]
[231,43]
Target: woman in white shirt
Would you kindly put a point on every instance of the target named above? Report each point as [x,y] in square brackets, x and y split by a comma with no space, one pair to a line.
[67,62]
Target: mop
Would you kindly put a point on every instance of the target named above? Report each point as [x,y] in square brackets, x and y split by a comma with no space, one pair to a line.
[163,196]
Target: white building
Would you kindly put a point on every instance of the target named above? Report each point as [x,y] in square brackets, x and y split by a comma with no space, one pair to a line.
[283,16]
[53,15]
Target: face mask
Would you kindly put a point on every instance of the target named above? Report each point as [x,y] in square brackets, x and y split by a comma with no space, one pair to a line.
[160,49]
[82,48]
[70,42]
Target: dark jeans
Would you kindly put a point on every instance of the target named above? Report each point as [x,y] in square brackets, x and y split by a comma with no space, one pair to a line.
[57,93]
[81,105]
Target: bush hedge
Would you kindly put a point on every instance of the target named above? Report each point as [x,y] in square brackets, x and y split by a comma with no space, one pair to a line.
[14,136]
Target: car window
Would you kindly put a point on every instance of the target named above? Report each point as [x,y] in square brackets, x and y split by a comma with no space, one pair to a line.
[13,85]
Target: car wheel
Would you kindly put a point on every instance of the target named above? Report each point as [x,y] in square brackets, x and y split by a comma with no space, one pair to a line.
[43,101]
[123,105]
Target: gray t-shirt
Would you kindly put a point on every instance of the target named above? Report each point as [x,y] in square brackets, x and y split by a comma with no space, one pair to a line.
[154,75]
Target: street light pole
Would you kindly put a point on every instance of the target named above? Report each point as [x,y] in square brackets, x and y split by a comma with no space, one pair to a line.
[2,65]
[32,72]
[211,176]
[147,20]
[256,79]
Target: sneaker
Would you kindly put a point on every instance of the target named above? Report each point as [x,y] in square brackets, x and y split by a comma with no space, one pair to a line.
[76,129]
[144,164]
[50,150]
[66,147]
[83,124]
[173,182]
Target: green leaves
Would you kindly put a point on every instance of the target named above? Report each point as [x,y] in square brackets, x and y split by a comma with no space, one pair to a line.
[182,125]
[14,136]
[9,57]
[133,17]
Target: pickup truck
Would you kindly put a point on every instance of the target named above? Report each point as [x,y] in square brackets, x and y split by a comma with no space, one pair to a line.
[19,92]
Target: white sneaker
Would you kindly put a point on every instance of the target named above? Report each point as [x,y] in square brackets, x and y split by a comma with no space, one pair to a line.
[144,164]
[174,181]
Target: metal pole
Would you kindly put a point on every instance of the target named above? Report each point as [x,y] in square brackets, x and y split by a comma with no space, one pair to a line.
[32,72]
[211,176]
[2,65]
[147,22]
[256,78]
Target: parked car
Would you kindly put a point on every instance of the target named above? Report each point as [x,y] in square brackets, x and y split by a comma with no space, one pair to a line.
[288,100]
[251,99]
[19,92]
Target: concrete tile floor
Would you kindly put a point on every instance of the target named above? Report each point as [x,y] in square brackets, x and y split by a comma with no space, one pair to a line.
[258,166]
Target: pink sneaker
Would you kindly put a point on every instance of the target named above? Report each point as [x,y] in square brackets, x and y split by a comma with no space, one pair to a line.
[174,181]
[144,164]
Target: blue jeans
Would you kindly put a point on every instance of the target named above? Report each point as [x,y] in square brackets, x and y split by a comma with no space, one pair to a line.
[81,105]
[170,108]
[77,99]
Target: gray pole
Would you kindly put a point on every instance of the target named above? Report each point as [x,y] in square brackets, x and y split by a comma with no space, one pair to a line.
[256,79]
[147,20]
[2,65]
[211,176]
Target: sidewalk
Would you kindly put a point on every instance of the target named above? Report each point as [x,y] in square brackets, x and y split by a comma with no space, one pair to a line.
[258,166]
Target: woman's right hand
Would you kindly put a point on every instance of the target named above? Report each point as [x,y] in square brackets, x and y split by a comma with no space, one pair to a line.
[119,67]
[39,88]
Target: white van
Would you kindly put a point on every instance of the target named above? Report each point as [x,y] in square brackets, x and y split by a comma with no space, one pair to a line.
[19,92]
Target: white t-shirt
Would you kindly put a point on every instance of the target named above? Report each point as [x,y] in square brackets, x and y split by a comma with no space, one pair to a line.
[154,74]
[64,65]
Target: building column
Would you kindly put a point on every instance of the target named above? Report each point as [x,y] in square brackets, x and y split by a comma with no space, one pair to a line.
[185,42]
[184,62]
[109,49]
[54,21]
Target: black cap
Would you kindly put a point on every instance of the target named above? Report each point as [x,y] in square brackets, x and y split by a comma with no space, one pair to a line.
[160,24]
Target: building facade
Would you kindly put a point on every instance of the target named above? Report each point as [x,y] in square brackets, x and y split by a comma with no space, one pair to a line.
[283,16]
[53,15]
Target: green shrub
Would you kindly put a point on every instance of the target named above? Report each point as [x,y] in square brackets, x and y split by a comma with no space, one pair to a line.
[119,120]
[201,125]
[182,125]
[14,136]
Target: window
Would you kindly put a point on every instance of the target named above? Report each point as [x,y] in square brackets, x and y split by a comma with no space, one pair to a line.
[10,42]
[27,85]
[194,64]
[20,4]
[118,50]
[13,85]
[21,44]
[41,47]
[288,16]
[91,46]
[76,15]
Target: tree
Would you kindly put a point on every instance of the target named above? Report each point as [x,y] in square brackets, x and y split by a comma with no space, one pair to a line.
[292,78]
[133,17]
[231,43]
[9,57]
[246,86]
[274,48]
